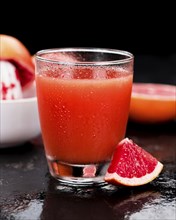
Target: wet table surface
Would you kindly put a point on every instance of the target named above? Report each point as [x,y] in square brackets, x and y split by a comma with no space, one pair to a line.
[27,192]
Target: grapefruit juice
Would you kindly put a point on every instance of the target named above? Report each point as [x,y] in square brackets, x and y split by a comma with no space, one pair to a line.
[83,112]
[82,120]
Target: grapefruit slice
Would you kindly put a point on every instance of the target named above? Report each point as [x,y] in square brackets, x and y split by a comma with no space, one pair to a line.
[152,102]
[132,166]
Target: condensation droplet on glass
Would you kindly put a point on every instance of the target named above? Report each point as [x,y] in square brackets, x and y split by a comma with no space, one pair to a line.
[93,135]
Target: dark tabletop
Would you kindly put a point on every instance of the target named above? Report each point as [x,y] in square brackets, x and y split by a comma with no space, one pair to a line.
[27,192]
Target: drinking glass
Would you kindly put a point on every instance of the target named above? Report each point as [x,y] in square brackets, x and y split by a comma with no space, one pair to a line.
[83,100]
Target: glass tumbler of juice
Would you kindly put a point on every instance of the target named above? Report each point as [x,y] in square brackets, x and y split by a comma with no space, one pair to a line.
[83,99]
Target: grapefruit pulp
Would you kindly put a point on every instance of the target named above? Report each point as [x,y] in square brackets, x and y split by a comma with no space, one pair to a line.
[151,103]
[132,166]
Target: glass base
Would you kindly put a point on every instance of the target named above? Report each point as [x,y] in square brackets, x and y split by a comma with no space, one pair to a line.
[78,174]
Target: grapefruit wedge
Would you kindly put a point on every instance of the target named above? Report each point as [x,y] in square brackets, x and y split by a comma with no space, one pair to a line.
[132,166]
[151,102]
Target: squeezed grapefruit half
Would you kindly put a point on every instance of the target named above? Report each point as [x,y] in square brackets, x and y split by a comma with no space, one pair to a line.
[151,102]
[131,165]
[15,52]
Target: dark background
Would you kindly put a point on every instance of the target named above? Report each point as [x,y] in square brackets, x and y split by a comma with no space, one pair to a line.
[146,30]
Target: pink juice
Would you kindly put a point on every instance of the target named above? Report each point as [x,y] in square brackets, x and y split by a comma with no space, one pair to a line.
[83,112]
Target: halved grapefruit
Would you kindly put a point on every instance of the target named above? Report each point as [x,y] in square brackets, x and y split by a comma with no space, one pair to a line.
[151,102]
[15,52]
[132,166]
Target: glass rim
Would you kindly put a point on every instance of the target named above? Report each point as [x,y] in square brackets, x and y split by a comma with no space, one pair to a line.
[128,57]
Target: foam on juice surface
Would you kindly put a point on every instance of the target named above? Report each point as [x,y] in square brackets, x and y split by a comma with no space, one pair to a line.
[66,66]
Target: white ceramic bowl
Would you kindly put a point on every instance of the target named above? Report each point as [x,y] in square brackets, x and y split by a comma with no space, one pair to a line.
[19,120]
